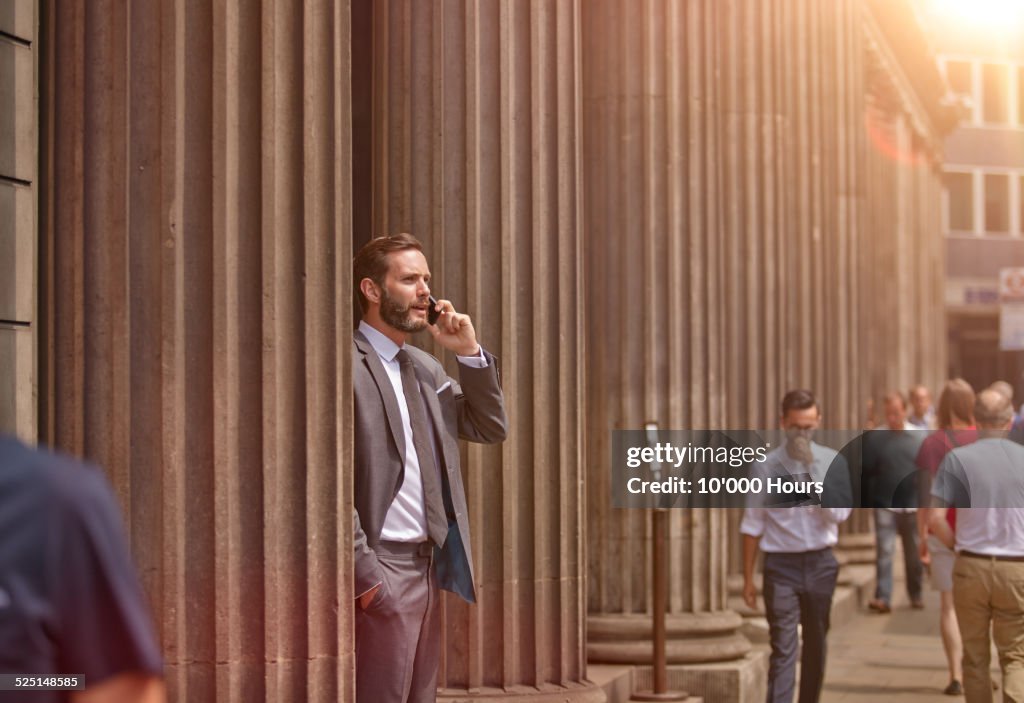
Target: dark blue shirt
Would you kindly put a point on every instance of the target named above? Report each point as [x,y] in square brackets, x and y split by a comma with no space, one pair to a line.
[891,478]
[70,600]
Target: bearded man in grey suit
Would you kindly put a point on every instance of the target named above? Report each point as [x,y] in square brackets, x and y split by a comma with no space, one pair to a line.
[411,522]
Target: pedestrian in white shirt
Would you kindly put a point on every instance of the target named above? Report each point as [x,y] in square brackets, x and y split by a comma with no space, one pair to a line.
[799,567]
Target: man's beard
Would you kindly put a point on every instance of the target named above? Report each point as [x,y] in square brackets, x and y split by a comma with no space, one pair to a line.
[798,445]
[397,315]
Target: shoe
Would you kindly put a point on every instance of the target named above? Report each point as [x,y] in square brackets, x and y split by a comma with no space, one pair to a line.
[954,689]
[917,604]
[879,606]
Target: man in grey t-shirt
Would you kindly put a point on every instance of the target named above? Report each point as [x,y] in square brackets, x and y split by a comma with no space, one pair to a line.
[985,482]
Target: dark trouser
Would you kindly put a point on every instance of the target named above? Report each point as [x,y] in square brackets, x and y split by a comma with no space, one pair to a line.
[398,636]
[798,589]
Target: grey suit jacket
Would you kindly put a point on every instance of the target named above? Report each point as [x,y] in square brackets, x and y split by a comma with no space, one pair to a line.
[471,408]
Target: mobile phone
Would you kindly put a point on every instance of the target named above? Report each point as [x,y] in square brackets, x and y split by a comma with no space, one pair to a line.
[432,313]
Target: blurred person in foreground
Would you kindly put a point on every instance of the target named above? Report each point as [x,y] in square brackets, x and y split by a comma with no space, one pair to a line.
[985,482]
[799,567]
[890,480]
[956,429]
[70,600]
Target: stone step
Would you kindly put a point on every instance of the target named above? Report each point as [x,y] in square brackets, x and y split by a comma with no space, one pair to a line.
[742,681]
[617,683]
[861,555]
[857,541]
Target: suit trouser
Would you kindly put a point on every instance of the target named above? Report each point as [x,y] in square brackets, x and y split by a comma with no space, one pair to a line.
[398,636]
[989,591]
[798,588]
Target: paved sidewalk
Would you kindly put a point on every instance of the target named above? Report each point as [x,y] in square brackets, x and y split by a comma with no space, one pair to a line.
[896,657]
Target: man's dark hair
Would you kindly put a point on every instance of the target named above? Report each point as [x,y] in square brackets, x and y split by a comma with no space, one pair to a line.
[800,399]
[372,260]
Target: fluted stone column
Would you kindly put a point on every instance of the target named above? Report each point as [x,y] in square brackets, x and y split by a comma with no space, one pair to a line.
[900,257]
[878,154]
[729,183]
[901,155]
[19,156]
[476,145]
[196,254]
[656,263]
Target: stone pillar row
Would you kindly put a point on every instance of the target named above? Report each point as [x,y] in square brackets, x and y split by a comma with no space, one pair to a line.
[739,218]
[654,211]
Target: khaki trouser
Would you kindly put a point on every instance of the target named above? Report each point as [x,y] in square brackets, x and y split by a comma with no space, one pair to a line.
[988,591]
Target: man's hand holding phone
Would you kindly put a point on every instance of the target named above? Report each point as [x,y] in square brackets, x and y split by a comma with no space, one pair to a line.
[452,330]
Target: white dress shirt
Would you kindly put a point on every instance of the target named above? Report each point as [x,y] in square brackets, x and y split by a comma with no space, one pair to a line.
[795,529]
[406,520]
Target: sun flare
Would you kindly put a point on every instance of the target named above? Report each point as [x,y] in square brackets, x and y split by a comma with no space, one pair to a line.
[983,14]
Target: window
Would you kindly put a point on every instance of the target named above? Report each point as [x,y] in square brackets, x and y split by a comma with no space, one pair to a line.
[994,103]
[961,201]
[959,75]
[997,204]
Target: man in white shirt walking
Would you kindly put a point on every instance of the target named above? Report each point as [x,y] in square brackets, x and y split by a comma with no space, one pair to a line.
[799,567]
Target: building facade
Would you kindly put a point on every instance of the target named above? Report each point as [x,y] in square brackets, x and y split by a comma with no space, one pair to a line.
[983,215]
[660,211]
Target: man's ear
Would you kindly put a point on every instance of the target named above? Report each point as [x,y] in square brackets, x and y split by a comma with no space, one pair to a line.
[370,290]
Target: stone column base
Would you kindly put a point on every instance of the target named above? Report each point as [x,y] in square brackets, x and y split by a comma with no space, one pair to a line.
[740,681]
[691,638]
[586,692]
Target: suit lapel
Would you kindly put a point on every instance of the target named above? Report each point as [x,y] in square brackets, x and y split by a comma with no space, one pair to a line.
[387,391]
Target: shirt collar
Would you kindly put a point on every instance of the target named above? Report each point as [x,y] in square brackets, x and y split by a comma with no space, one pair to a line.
[381,343]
